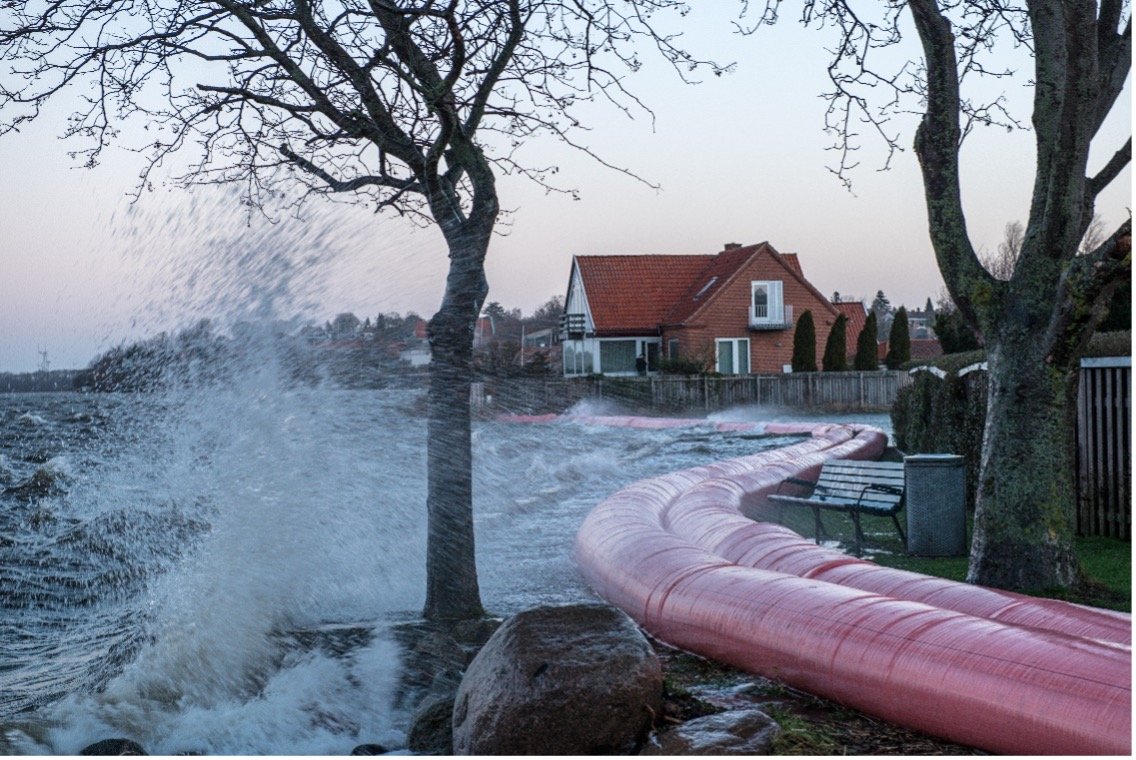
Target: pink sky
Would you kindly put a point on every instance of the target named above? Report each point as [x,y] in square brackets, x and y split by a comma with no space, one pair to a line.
[739,159]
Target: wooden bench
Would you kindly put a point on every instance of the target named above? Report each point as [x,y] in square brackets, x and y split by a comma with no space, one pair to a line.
[851,486]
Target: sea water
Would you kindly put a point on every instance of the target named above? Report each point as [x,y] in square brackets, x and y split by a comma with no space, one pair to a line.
[183,568]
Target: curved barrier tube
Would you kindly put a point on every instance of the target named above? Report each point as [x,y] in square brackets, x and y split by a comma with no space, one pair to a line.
[986,668]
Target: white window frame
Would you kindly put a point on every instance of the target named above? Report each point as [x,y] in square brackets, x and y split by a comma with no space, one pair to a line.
[736,352]
[775,306]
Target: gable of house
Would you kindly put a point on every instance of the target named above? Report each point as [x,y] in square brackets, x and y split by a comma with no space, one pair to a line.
[746,321]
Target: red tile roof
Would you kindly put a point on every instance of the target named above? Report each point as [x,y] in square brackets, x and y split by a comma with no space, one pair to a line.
[635,295]
[658,281]
[922,349]
[925,348]
[794,262]
[716,273]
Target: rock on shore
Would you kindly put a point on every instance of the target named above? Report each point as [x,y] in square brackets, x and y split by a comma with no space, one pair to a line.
[576,680]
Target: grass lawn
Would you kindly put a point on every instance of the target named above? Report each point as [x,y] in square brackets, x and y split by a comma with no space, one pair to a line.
[1107,562]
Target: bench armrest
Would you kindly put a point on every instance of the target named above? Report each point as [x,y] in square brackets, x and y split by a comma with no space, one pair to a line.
[796,482]
[879,488]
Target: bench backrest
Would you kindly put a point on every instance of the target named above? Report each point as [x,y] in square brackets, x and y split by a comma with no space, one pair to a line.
[844,480]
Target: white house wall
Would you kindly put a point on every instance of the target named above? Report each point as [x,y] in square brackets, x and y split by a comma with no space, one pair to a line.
[577,302]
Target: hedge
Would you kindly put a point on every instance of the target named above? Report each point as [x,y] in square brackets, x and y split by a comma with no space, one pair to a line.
[947,415]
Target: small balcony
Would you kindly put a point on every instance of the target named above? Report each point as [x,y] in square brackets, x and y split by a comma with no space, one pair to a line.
[780,317]
[573,325]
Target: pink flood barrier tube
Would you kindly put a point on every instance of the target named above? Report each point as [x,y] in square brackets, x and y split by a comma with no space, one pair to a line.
[982,667]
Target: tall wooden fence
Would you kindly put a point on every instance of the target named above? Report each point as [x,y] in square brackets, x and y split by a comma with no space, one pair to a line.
[1104,454]
[842,391]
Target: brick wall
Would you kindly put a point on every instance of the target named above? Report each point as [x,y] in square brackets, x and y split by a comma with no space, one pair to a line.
[727,316]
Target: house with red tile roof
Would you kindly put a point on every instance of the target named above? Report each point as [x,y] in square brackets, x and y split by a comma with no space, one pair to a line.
[733,312]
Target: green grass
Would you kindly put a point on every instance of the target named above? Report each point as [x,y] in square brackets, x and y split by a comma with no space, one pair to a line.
[1107,562]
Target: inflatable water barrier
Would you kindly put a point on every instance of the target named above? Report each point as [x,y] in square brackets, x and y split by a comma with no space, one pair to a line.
[986,668]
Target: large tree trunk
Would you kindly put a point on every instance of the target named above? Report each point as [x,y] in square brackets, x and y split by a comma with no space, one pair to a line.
[1025,521]
[1037,323]
[451,570]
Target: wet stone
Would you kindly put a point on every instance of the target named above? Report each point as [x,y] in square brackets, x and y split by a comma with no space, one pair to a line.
[113,748]
[734,732]
[370,749]
[431,729]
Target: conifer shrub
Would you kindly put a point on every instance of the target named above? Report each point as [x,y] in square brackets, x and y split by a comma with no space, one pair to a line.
[805,344]
[866,359]
[836,347]
[899,341]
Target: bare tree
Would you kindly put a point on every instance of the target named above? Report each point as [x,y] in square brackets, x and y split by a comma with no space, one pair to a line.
[409,105]
[1036,323]
[1001,264]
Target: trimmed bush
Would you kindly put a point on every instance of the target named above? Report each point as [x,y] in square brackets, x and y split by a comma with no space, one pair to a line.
[866,346]
[954,335]
[899,341]
[682,366]
[805,344]
[836,347]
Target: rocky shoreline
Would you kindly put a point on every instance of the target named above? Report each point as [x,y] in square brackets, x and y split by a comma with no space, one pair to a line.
[583,679]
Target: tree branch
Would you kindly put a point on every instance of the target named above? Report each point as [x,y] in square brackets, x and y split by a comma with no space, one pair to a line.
[1111,170]
[937,147]
[1083,292]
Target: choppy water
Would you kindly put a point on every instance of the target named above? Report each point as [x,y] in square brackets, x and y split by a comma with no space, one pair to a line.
[162,556]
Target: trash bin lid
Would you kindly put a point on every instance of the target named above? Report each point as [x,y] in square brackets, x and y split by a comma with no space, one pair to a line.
[933,460]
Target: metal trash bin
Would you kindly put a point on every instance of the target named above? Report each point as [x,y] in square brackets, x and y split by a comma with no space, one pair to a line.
[935,504]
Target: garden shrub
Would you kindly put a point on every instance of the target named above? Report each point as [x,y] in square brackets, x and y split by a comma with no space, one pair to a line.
[899,341]
[682,366]
[867,349]
[805,344]
[836,347]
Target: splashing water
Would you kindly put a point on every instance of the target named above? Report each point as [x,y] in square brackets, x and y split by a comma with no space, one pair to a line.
[217,567]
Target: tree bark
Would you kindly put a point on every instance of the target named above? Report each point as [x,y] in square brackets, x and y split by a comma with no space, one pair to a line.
[452,590]
[1024,519]
[1037,324]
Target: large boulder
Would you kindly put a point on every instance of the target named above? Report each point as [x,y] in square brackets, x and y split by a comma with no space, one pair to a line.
[574,680]
[734,732]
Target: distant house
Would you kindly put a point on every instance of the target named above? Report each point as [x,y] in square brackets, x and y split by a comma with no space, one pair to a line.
[733,312]
[921,324]
[416,350]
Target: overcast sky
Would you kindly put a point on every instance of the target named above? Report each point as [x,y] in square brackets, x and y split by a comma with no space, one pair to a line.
[741,158]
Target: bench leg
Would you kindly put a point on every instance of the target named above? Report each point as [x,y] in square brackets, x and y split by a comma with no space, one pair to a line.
[855,513]
[902,535]
[819,531]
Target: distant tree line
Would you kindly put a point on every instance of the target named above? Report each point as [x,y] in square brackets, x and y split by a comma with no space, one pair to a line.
[344,351]
[37,382]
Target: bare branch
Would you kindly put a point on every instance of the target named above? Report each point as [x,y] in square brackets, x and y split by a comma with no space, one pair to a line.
[1111,171]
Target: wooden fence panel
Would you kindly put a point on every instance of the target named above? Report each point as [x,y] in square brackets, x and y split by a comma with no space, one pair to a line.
[1104,456]
[831,391]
